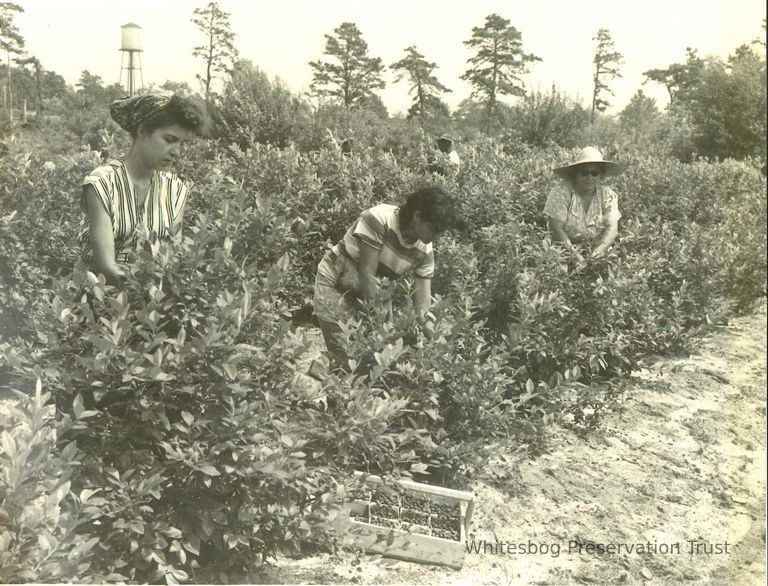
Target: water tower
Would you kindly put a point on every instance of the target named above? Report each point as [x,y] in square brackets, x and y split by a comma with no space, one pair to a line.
[131,47]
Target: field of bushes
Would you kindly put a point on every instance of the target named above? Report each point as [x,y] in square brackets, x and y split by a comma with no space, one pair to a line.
[184,443]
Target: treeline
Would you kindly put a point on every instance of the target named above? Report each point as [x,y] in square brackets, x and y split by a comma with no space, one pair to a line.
[717,107]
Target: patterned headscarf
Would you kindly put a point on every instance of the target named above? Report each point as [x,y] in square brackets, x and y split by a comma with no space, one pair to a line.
[132,111]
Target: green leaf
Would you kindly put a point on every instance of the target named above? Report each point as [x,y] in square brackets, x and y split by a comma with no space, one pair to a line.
[9,444]
[77,406]
[209,470]
[5,540]
[87,493]
[192,544]
[56,497]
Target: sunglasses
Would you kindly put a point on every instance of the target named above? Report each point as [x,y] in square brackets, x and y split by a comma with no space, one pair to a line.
[588,172]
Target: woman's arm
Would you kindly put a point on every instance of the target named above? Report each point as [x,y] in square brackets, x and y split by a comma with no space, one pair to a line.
[557,229]
[608,236]
[366,268]
[178,224]
[102,238]
[422,301]
[422,295]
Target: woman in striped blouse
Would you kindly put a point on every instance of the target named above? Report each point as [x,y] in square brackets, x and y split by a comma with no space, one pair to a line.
[127,196]
[384,241]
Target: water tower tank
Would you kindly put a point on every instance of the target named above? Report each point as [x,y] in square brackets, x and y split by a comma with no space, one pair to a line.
[131,37]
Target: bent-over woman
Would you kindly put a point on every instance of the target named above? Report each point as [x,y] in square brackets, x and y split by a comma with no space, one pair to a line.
[385,241]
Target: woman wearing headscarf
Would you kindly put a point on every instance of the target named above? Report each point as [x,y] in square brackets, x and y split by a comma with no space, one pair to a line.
[385,241]
[582,212]
[126,196]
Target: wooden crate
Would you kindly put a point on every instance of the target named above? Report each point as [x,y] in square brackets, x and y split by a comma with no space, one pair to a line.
[402,543]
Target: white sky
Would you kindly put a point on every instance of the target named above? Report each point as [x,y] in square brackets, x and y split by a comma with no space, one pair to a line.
[69,36]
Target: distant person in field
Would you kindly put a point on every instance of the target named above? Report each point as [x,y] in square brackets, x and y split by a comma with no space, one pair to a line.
[446,161]
[126,195]
[385,241]
[582,212]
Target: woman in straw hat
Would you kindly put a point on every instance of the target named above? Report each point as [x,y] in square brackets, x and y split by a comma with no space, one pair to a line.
[128,196]
[581,210]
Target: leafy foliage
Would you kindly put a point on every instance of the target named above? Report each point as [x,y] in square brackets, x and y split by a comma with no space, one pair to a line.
[188,444]
[728,108]
[39,513]
[545,119]
[254,109]
[724,103]
[640,119]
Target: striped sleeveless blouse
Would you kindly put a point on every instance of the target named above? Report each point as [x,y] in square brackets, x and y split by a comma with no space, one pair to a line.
[165,201]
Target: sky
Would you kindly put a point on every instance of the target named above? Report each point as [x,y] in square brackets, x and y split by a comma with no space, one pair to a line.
[282,37]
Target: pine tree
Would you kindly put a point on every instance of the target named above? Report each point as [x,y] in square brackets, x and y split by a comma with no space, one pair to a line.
[352,75]
[218,52]
[11,42]
[680,79]
[607,61]
[34,62]
[498,64]
[425,87]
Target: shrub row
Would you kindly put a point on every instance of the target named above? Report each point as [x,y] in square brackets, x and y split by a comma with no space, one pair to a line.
[188,443]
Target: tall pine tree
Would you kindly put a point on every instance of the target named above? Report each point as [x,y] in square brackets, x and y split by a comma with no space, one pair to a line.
[218,51]
[425,87]
[607,61]
[11,42]
[351,75]
[498,64]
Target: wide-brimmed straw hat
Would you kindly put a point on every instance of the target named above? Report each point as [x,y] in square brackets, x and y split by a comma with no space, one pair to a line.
[589,155]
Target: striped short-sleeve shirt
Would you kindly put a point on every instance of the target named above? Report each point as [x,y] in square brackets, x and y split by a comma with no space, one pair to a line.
[162,208]
[379,227]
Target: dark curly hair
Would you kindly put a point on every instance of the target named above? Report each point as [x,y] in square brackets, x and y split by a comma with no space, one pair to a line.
[186,112]
[434,204]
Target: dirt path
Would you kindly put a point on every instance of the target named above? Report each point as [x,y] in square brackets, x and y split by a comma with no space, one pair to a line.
[679,470]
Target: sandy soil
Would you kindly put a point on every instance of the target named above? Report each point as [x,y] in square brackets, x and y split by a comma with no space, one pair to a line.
[680,469]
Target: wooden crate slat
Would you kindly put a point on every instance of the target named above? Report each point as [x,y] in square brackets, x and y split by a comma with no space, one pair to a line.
[412,547]
[420,487]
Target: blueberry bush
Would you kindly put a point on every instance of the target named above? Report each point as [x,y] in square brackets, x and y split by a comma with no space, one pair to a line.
[165,431]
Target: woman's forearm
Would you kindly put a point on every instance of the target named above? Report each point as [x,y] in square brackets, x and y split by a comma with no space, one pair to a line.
[102,239]
[558,233]
[369,286]
[422,301]
[422,296]
[367,267]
